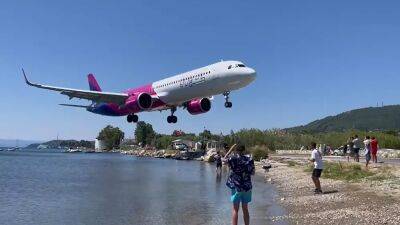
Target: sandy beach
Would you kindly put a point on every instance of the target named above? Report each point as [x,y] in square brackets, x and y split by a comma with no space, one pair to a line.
[343,202]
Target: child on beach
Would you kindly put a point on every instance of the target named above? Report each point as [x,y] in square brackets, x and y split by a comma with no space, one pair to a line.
[239,181]
[316,158]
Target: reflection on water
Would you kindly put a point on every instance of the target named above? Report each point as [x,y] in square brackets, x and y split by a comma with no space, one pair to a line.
[59,188]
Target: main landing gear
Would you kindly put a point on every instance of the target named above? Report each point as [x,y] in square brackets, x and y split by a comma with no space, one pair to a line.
[172,118]
[132,118]
[228,104]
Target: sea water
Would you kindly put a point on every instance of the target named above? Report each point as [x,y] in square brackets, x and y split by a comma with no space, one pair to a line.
[110,188]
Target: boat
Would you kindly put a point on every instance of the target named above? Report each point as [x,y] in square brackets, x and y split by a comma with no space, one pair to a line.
[74,150]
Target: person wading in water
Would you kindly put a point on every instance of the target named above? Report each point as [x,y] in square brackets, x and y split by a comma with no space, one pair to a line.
[239,181]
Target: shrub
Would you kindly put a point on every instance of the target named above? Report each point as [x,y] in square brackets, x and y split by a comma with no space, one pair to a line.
[259,152]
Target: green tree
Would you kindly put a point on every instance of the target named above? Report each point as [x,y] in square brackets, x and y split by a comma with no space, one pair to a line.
[144,133]
[112,136]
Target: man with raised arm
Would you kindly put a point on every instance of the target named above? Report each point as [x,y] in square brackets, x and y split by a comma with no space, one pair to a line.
[239,181]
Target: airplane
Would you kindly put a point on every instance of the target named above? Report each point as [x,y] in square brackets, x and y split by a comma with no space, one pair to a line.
[191,90]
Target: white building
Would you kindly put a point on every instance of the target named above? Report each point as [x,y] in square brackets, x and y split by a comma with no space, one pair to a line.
[99,145]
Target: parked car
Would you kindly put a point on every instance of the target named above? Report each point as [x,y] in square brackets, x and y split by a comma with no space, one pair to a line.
[339,151]
[181,146]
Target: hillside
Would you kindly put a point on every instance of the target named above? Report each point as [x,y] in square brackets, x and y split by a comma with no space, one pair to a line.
[65,144]
[13,142]
[367,119]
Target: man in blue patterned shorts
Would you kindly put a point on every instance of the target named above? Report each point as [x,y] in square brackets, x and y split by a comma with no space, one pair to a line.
[239,181]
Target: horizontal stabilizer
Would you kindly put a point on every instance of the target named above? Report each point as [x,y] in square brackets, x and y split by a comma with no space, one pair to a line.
[79,106]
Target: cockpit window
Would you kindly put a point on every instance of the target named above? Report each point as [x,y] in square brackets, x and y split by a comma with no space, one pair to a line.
[235,66]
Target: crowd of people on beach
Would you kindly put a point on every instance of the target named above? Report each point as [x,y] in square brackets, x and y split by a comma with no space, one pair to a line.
[354,145]
[351,149]
[241,168]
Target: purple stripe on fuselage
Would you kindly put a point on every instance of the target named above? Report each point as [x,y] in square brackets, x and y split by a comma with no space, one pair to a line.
[112,109]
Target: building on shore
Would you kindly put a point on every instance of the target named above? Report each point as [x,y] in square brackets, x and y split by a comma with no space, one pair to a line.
[42,146]
[99,145]
[214,145]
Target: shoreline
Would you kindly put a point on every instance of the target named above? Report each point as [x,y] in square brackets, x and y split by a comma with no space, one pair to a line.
[342,202]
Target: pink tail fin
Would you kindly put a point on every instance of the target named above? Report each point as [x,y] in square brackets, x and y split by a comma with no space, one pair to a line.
[93,85]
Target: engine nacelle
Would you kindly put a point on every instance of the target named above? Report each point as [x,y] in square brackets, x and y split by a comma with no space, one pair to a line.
[198,106]
[137,102]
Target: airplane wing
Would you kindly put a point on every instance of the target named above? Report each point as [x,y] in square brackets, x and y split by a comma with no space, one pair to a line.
[96,96]
[77,106]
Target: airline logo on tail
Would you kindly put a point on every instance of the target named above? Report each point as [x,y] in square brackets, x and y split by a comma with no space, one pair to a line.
[93,85]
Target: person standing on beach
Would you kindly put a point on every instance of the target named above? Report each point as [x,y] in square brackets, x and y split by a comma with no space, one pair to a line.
[374,149]
[367,150]
[357,147]
[239,181]
[316,158]
[350,148]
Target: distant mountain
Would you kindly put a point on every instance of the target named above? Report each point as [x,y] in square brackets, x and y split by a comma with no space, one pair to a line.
[64,144]
[372,118]
[13,142]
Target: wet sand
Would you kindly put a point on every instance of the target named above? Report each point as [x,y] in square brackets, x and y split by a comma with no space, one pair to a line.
[342,202]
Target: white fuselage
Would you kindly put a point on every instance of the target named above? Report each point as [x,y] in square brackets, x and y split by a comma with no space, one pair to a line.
[207,81]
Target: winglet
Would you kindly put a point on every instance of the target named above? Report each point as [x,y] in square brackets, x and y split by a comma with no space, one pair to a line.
[26,79]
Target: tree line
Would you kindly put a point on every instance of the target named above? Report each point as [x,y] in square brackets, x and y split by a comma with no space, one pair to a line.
[270,139]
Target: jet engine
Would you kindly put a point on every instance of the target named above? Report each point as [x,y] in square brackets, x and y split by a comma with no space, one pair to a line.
[137,102]
[198,106]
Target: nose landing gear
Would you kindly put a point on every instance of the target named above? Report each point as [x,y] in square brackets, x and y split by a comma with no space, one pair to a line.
[228,104]
[132,118]
[172,118]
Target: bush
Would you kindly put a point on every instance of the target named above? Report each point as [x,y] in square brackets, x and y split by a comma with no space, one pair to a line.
[259,152]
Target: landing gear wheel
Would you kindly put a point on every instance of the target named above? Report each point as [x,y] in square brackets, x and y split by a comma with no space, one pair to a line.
[228,104]
[129,118]
[172,119]
[132,118]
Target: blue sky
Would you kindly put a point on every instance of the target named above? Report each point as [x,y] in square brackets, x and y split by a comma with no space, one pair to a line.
[313,59]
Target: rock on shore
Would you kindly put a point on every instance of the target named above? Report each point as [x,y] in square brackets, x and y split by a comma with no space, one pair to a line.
[184,155]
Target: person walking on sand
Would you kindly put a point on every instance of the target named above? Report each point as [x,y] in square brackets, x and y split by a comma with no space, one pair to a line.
[374,150]
[239,181]
[357,147]
[316,158]
[367,150]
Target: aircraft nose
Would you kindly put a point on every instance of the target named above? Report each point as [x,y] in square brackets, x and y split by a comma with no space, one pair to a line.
[251,72]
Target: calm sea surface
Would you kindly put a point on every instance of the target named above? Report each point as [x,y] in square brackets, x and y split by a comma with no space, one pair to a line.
[79,188]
